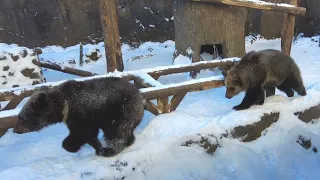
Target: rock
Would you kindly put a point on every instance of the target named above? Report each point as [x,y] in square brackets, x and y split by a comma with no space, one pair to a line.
[15,58]
[6,68]
[253,131]
[3,58]
[94,55]
[24,53]
[205,142]
[309,114]
[304,142]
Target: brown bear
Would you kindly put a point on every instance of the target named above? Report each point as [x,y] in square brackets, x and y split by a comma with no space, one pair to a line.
[111,104]
[260,71]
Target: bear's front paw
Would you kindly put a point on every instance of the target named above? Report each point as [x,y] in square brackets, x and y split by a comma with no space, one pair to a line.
[70,147]
[239,108]
[106,152]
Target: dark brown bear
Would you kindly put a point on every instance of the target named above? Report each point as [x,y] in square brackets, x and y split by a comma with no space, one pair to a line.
[260,71]
[110,104]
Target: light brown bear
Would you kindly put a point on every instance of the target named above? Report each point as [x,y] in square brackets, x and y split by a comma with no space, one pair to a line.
[260,71]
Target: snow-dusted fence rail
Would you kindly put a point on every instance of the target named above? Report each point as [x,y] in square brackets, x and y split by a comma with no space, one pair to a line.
[145,79]
[261,5]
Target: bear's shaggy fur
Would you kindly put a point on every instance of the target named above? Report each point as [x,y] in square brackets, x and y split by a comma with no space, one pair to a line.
[260,71]
[110,104]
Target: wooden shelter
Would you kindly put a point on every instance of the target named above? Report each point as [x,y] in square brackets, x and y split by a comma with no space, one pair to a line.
[222,22]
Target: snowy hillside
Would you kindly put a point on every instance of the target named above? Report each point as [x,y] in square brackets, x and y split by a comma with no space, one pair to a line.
[158,152]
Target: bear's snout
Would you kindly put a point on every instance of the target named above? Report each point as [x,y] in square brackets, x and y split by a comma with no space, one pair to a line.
[20,129]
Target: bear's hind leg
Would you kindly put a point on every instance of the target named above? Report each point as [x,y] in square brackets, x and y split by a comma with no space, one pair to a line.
[286,89]
[254,96]
[96,144]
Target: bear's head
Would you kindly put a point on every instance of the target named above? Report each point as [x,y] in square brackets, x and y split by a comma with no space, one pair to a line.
[40,111]
[233,84]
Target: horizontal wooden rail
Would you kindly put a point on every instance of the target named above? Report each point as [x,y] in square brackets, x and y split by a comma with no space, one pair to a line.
[166,70]
[262,5]
[187,86]
[7,95]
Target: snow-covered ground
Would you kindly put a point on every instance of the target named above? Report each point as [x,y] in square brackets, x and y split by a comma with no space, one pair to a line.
[157,152]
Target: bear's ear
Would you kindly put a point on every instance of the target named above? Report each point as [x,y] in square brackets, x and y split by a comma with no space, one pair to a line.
[40,101]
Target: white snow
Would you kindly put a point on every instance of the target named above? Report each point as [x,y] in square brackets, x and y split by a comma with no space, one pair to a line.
[157,152]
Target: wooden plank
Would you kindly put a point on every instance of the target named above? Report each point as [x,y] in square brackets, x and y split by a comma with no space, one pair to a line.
[288,30]
[166,91]
[13,103]
[109,22]
[68,70]
[149,106]
[176,100]
[267,6]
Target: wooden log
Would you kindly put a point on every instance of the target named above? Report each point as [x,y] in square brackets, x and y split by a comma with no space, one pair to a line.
[13,103]
[163,105]
[192,67]
[260,5]
[166,91]
[8,122]
[67,70]
[288,30]
[109,21]
[176,100]
[146,80]
[149,106]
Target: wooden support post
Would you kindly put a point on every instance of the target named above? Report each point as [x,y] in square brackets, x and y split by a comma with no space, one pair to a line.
[176,100]
[163,105]
[149,106]
[288,30]
[109,21]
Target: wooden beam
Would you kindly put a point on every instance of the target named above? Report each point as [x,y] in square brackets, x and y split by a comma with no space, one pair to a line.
[67,70]
[149,106]
[112,43]
[268,6]
[176,100]
[13,103]
[169,90]
[288,30]
[192,67]
[8,122]
[163,105]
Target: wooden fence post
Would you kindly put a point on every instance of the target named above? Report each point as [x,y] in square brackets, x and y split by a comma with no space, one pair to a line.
[288,29]
[112,43]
